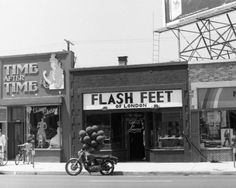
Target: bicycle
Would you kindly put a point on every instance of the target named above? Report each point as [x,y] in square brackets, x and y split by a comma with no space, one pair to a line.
[21,156]
[3,157]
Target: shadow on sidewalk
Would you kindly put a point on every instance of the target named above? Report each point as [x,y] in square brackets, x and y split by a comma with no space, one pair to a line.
[117,173]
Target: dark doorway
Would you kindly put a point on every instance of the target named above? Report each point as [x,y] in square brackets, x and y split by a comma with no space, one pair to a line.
[15,137]
[135,125]
[136,146]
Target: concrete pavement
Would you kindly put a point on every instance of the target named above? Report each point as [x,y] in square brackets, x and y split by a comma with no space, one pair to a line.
[128,168]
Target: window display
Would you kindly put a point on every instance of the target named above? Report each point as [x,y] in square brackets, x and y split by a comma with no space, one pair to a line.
[226,136]
[217,128]
[111,124]
[161,129]
[44,124]
[167,129]
[103,123]
[41,134]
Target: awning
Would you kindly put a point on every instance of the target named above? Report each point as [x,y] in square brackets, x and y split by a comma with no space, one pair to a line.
[217,97]
[32,101]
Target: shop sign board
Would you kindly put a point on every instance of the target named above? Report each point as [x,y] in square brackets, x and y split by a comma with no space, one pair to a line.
[32,78]
[181,11]
[133,100]
[15,77]
[210,98]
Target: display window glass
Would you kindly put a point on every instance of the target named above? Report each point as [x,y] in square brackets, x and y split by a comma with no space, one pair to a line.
[112,126]
[162,129]
[103,123]
[217,128]
[167,129]
[43,123]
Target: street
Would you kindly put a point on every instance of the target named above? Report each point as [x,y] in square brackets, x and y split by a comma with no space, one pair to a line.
[39,181]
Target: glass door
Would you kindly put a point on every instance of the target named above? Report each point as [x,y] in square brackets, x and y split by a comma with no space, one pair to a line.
[135,131]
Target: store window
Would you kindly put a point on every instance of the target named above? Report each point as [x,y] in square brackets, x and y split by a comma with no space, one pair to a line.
[118,131]
[167,129]
[43,122]
[103,123]
[217,128]
[3,120]
[111,124]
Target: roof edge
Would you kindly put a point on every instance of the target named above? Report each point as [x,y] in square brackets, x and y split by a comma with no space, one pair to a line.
[172,63]
[32,55]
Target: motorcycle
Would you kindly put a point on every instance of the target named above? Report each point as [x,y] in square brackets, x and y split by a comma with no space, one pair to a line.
[104,164]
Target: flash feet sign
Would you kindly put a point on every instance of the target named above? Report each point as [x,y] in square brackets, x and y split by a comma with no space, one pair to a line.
[132,99]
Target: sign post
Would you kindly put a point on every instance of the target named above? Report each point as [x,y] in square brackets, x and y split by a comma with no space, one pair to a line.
[234,151]
[234,148]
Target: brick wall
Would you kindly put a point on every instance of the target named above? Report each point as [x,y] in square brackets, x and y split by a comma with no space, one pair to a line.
[130,76]
[212,72]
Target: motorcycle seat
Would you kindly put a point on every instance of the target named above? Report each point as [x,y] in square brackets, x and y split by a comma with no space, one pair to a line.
[97,156]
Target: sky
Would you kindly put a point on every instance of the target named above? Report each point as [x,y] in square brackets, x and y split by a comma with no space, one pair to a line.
[101,30]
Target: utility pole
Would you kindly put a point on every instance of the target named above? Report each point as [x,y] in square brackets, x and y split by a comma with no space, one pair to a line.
[68,44]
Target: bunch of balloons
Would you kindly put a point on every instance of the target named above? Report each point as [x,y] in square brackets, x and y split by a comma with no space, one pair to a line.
[92,138]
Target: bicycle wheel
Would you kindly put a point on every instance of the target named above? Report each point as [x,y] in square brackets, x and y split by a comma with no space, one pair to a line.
[23,157]
[5,159]
[33,161]
[18,159]
[1,157]
[32,158]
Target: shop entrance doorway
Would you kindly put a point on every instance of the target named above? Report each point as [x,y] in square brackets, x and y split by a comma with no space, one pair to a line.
[135,129]
[15,137]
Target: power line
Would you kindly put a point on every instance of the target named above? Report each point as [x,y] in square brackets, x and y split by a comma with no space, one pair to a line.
[114,40]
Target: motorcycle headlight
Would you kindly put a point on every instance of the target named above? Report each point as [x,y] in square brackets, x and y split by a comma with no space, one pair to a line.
[80,153]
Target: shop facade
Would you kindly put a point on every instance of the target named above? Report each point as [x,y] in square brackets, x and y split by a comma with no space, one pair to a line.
[34,101]
[213,109]
[143,110]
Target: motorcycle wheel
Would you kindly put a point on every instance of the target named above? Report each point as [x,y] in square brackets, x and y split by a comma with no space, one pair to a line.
[73,167]
[5,159]
[107,167]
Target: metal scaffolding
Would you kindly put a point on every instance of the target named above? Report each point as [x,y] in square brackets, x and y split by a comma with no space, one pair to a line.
[207,39]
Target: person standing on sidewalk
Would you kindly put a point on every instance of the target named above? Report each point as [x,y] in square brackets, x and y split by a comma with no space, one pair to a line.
[3,141]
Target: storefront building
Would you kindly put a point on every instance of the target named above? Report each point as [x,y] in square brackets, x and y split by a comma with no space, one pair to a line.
[213,109]
[34,100]
[143,109]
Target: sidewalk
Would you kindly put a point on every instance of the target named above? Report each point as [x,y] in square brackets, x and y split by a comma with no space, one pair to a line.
[139,168]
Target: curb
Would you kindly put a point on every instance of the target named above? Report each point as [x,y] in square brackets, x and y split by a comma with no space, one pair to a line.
[187,173]
[119,173]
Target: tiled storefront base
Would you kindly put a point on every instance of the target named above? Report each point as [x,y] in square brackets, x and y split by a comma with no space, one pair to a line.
[47,155]
[163,155]
[218,154]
